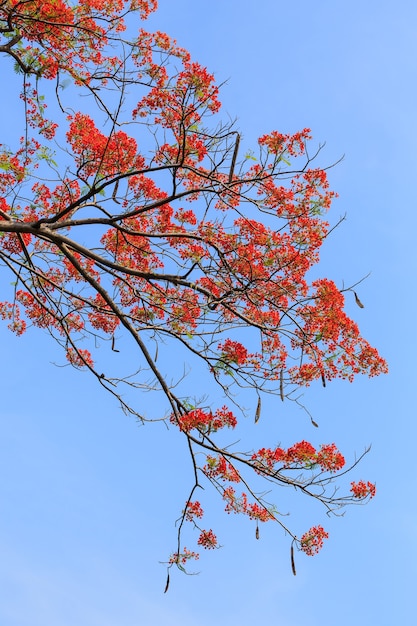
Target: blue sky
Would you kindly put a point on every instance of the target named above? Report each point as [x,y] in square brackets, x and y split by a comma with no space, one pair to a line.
[88,499]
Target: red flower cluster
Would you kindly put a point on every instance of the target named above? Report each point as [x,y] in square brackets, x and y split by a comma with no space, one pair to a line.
[334,345]
[233,352]
[205,420]
[67,36]
[218,467]
[303,455]
[240,504]
[183,557]
[9,311]
[15,243]
[193,509]
[79,358]
[329,458]
[277,143]
[98,155]
[312,541]
[102,317]
[207,540]
[362,490]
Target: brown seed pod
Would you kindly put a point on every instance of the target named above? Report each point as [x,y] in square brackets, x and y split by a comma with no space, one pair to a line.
[233,163]
[167,584]
[258,410]
[358,302]
[292,561]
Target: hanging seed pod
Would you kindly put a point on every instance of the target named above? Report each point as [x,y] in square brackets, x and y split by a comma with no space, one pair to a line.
[234,157]
[258,410]
[167,583]
[257,532]
[281,385]
[292,561]
[358,302]
[115,190]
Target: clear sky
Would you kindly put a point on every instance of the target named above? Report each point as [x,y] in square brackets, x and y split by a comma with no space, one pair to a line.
[88,499]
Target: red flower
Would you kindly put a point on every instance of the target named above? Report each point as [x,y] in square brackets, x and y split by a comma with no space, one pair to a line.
[207,539]
[312,541]
[233,351]
[193,509]
[362,490]
[329,458]
[79,358]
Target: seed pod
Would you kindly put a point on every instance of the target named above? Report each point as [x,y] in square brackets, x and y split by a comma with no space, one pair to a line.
[167,583]
[258,410]
[257,532]
[292,561]
[281,385]
[115,190]
[358,302]
[234,157]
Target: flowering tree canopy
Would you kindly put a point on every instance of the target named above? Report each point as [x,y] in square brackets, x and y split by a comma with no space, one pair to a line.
[132,213]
